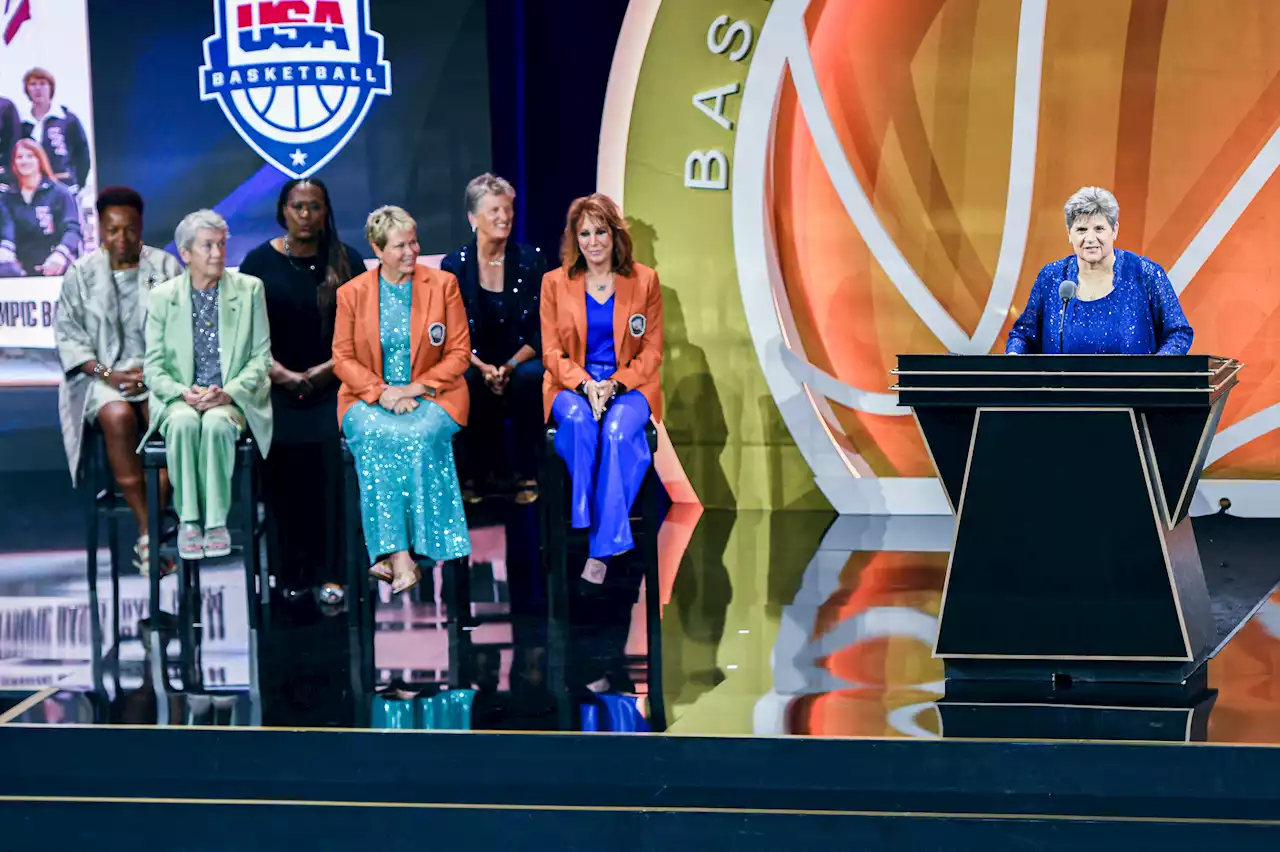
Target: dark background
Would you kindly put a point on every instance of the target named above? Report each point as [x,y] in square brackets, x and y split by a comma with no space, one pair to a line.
[417,147]
[512,86]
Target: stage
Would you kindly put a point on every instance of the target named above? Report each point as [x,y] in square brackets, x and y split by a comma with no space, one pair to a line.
[797,680]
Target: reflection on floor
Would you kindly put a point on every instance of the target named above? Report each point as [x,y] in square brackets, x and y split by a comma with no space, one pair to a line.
[773,623]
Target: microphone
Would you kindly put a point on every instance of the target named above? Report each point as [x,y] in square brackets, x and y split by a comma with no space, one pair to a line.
[1066,292]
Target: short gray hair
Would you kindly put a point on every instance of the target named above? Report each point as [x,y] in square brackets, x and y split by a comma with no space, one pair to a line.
[484,185]
[383,221]
[1090,201]
[193,223]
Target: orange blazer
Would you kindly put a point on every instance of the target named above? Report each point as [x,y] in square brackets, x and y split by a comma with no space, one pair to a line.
[436,314]
[637,334]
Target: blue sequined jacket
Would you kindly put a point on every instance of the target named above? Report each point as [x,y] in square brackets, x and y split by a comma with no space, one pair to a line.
[523,268]
[1141,316]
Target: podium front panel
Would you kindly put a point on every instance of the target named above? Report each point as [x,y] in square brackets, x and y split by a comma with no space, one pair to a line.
[1060,552]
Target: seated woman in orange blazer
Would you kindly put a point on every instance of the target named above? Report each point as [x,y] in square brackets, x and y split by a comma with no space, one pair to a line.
[602,347]
[400,348]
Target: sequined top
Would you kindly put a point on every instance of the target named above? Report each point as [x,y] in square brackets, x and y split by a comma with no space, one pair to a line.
[204,336]
[522,271]
[133,331]
[602,361]
[395,303]
[1140,316]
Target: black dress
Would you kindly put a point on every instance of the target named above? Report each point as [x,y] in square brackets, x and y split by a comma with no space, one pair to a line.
[302,476]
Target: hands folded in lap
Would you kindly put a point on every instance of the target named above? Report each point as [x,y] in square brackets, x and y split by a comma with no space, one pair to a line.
[203,399]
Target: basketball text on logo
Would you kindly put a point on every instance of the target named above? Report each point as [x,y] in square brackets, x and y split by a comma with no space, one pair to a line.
[295,78]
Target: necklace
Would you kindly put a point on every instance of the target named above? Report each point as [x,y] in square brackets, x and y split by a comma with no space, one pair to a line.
[497,262]
[293,260]
[600,288]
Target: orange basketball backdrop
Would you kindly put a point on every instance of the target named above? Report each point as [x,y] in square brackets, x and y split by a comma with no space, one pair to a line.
[1167,104]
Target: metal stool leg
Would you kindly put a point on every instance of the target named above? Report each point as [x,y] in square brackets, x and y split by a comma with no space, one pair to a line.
[555,544]
[248,516]
[153,530]
[357,594]
[456,577]
[651,507]
[361,590]
[87,476]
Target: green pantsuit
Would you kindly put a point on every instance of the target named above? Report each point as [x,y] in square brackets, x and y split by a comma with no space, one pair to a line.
[201,450]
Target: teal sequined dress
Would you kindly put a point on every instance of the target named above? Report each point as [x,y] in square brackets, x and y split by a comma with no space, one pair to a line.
[409,495]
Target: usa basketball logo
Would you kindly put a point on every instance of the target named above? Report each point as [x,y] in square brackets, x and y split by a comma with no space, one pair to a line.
[295,78]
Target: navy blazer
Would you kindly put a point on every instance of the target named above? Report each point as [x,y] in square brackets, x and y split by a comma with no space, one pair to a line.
[523,267]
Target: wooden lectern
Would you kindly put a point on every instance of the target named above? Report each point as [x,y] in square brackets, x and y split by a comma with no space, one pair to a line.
[1071,477]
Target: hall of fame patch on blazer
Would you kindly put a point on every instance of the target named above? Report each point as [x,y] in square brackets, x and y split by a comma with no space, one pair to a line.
[435,333]
[636,324]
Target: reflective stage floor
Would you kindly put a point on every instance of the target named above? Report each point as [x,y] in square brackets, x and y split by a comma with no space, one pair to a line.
[784,623]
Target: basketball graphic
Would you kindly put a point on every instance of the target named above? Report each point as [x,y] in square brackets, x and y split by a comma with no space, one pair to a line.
[295,79]
[896,179]
[912,214]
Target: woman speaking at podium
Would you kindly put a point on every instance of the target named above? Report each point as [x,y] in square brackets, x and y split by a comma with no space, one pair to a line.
[1101,300]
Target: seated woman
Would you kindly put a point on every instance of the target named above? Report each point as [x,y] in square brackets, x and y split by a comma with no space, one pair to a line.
[102,338]
[1124,303]
[301,272]
[41,228]
[602,347]
[499,280]
[208,355]
[400,347]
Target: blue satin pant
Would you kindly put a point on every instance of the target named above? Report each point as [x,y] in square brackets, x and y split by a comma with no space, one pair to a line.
[607,463]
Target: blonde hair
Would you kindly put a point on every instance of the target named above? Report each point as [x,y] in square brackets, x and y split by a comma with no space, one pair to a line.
[383,221]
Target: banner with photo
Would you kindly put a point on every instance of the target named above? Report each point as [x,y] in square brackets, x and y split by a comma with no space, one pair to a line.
[47,170]
[216,104]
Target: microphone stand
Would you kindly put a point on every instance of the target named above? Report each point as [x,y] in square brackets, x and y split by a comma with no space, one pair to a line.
[1062,328]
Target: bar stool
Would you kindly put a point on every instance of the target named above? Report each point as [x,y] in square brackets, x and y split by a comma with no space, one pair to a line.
[243,520]
[557,536]
[362,591]
[103,504]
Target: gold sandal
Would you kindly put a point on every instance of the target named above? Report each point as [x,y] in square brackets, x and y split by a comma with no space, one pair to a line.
[381,571]
[527,493]
[413,577]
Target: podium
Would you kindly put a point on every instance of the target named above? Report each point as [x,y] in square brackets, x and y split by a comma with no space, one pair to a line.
[1071,479]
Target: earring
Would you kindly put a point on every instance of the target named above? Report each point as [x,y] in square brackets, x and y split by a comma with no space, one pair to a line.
[473,229]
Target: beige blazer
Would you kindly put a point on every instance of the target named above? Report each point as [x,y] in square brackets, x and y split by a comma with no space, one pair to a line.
[87,328]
